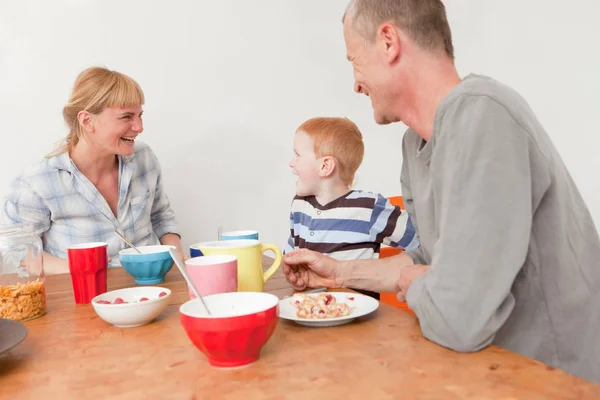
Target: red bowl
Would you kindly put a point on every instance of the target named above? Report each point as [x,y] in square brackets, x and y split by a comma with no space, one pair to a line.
[240,325]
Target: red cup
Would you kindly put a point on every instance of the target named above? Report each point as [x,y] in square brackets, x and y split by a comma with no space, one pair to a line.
[88,263]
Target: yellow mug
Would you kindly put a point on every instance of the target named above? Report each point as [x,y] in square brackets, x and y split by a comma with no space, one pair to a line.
[249,254]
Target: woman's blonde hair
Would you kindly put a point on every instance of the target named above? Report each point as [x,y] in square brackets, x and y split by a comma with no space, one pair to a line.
[95,89]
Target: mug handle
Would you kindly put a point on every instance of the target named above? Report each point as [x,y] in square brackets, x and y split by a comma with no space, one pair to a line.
[276,264]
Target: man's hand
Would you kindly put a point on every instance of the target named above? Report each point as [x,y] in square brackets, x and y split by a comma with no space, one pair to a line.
[408,274]
[308,269]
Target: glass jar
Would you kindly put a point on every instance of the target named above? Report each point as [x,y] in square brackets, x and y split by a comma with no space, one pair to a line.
[22,291]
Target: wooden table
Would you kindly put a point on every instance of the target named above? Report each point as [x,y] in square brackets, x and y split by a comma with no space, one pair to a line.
[72,354]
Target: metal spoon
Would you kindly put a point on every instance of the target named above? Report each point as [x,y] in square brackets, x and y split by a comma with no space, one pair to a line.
[127,241]
[181,267]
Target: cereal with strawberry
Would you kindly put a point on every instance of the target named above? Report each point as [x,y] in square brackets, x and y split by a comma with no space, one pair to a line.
[321,306]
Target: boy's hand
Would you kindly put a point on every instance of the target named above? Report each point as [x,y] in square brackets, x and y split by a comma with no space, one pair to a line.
[308,269]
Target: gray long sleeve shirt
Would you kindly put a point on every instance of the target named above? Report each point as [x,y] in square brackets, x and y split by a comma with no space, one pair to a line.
[514,253]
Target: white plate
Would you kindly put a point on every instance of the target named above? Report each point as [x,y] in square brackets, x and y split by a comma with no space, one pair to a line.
[362,304]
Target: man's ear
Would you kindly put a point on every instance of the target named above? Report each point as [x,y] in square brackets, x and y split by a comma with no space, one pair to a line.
[389,42]
[328,166]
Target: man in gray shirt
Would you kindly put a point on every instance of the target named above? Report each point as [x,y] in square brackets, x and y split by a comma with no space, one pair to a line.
[509,252]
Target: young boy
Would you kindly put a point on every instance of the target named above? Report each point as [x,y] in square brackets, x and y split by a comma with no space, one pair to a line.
[327,216]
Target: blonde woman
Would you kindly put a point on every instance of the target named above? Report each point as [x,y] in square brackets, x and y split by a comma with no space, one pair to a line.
[101,179]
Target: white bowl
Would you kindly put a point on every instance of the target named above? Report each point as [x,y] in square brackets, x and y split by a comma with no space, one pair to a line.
[134,313]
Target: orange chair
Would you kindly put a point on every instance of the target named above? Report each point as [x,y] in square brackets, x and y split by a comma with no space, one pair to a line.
[390,298]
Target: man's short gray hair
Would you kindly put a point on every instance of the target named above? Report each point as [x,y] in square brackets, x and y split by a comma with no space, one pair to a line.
[424,21]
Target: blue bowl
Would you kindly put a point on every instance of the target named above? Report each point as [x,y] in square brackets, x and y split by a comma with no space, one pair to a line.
[147,268]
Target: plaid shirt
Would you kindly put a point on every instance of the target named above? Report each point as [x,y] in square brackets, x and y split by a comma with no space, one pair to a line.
[67,209]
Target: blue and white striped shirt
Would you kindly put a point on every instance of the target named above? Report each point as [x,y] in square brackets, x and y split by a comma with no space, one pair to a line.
[67,209]
[352,227]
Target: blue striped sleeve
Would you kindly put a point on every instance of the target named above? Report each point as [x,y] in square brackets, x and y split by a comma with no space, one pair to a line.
[392,226]
[409,239]
[289,246]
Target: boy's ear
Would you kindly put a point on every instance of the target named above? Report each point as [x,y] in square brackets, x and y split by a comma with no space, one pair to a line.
[328,166]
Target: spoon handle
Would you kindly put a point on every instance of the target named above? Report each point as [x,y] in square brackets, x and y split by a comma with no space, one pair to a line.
[128,242]
[175,258]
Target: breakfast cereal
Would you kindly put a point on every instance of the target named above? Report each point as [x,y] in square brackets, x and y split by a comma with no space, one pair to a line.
[21,302]
[322,306]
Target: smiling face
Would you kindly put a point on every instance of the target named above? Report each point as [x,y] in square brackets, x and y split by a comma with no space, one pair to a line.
[114,130]
[306,165]
[373,66]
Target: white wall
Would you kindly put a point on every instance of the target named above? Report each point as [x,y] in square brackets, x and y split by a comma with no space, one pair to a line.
[227,82]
